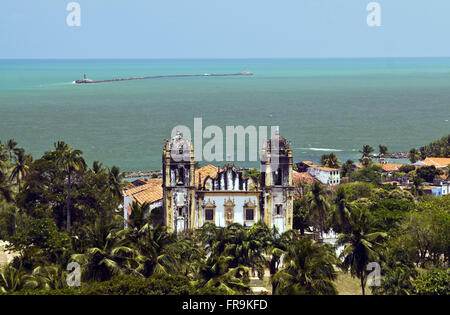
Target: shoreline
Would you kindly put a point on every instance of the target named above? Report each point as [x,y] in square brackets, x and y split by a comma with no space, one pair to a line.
[157,173]
[142,174]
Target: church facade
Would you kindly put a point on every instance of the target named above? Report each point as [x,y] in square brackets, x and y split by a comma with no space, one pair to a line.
[224,195]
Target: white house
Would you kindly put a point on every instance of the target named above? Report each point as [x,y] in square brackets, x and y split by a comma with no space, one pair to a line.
[326,175]
[443,184]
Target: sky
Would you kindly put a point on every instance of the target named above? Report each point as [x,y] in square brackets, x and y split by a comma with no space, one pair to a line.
[224,29]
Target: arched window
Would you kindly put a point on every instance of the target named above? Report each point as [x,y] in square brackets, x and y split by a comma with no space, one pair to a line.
[278,177]
[180,176]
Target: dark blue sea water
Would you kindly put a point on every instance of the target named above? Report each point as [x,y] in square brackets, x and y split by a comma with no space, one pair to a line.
[320,105]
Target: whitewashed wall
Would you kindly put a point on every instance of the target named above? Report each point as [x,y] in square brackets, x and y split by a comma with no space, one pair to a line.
[325,177]
[239,202]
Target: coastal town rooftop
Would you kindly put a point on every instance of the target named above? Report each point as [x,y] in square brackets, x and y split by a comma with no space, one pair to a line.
[434,161]
[151,191]
[386,167]
[302,178]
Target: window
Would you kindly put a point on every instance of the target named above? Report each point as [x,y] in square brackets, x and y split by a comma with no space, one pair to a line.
[279,209]
[209,215]
[278,177]
[249,214]
[249,211]
[210,209]
[180,176]
[180,211]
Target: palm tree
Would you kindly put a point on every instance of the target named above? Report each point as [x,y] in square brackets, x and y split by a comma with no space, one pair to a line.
[20,167]
[115,184]
[396,282]
[158,249]
[3,154]
[423,153]
[301,215]
[98,167]
[341,212]
[277,248]
[71,162]
[108,255]
[360,244]
[318,205]
[247,247]
[366,151]
[417,186]
[137,218]
[6,192]
[11,147]
[347,168]
[330,160]
[398,272]
[215,272]
[309,269]
[413,155]
[187,256]
[383,150]
[215,238]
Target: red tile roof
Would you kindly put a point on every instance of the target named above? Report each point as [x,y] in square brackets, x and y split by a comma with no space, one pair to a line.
[150,192]
[302,177]
[436,161]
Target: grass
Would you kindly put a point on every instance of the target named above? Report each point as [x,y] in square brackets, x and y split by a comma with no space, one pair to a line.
[348,285]
[345,284]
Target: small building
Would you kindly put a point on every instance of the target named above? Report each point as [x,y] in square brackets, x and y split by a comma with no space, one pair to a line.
[144,190]
[326,175]
[433,190]
[387,169]
[437,162]
[443,183]
[301,180]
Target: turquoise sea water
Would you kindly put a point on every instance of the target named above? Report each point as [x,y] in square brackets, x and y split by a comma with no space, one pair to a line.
[320,105]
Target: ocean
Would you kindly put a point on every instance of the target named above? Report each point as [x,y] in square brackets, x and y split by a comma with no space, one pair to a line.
[321,105]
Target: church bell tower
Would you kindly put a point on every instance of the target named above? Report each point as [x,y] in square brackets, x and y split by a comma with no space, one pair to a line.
[178,184]
[277,183]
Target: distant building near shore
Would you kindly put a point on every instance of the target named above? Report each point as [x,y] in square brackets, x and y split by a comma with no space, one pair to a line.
[387,169]
[326,175]
[437,162]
